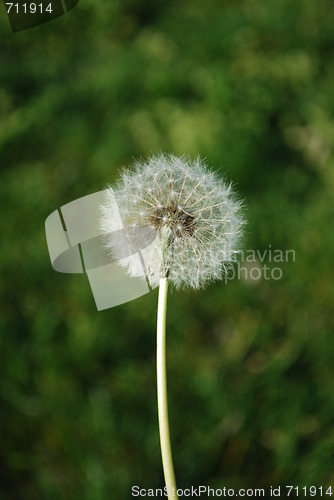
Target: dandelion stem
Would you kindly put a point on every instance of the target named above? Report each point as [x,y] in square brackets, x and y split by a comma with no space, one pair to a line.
[166,450]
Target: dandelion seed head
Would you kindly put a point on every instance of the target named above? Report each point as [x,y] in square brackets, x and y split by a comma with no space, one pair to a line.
[195,214]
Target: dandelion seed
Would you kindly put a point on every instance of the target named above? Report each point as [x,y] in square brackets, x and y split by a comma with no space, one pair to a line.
[184,200]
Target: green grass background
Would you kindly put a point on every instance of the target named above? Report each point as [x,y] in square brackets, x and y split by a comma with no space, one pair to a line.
[248,85]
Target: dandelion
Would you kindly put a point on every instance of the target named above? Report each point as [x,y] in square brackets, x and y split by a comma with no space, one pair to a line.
[196,223]
[194,213]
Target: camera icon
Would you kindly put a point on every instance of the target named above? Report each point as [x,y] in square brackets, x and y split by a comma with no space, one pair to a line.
[26,14]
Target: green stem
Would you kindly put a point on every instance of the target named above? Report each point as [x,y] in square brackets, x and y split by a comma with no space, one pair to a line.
[166,450]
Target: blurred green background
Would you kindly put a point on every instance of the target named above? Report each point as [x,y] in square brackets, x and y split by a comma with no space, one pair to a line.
[248,85]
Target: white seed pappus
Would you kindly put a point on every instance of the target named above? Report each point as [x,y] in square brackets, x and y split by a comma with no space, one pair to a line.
[195,214]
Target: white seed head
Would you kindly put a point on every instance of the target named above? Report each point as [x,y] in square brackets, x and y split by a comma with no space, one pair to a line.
[193,214]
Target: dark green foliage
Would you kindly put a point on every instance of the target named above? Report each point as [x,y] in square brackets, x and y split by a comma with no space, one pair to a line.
[249,85]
